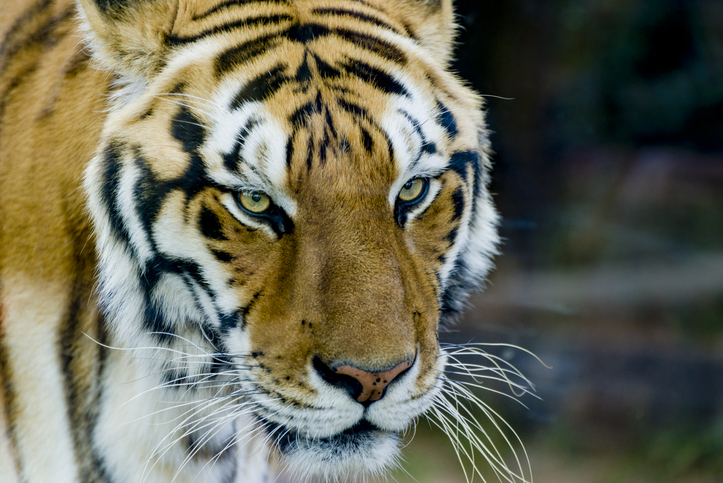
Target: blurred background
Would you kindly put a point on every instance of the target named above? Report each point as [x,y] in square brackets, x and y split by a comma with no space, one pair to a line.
[607,120]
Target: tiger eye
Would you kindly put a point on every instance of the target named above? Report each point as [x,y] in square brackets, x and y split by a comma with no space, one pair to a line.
[413,190]
[254,201]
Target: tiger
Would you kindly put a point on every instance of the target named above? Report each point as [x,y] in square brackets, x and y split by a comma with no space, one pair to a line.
[230,234]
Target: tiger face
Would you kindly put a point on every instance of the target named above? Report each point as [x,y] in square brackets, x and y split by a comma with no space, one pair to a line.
[291,196]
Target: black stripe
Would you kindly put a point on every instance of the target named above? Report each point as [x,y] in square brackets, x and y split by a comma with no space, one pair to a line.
[378,46]
[109,7]
[373,7]
[102,338]
[239,55]
[212,335]
[230,3]
[414,122]
[82,389]
[460,160]
[8,394]
[192,270]
[323,146]
[66,341]
[177,378]
[77,64]
[155,323]
[290,150]
[303,73]
[109,190]
[330,127]
[230,321]
[326,71]
[154,320]
[231,160]
[244,311]
[452,235]
[428,147]
[222,256]
[307,32]
[300,117]
[268,83]
[356,15]
[360,112]
[21,38]
[354,109]
[14,83]
[210,225]
[446,118]
[46,33]
[367,140]
[454,295]
[261,87]
[187,129]
[458,204]
[261,20]
[310,154]
[459,163]
[377,77]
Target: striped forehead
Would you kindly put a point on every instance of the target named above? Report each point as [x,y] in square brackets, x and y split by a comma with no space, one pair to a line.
[276,78]
[263,144]
[246,147]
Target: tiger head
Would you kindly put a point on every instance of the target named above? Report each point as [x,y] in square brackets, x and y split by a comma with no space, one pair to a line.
[294,192]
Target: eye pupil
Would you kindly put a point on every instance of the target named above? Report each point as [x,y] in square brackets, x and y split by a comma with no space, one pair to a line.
[254,202]
[413,190]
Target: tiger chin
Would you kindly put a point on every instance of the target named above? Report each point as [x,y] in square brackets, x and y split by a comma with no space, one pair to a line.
[229,233]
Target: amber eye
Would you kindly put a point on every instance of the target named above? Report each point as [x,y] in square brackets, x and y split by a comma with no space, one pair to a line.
[254,202]
[414,190]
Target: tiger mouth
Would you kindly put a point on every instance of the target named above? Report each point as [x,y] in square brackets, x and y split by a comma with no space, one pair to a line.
[354,439]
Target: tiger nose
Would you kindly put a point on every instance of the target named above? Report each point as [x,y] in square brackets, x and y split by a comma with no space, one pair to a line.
[364,386]
[373,383]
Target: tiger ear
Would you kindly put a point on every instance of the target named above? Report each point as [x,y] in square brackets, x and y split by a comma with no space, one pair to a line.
[129,36]
[432,22]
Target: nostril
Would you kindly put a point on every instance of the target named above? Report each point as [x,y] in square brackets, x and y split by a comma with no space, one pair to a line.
[341,381]
[364,386]
[373,383]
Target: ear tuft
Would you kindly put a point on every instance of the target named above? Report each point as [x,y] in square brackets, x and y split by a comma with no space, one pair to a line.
[129,37]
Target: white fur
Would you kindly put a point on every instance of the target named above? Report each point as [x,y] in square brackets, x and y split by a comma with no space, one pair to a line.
[43,436]
[134,409]
[331,464]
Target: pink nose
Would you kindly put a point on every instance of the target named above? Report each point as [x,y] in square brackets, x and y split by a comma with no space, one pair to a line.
[373,383]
